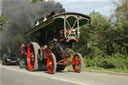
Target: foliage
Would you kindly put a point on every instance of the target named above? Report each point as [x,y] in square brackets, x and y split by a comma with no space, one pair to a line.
[121,11]
[110,62]
[104,42]
[3,22]
[94,37]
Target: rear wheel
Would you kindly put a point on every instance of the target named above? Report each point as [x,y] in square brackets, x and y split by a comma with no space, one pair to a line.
[77,62]
[51,63]
[32,56]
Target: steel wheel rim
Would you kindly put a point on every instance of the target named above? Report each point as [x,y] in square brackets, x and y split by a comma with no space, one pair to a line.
[76,63]
[50,65]
[30,57]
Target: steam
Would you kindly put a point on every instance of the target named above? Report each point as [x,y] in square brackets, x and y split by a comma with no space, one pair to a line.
[22,15]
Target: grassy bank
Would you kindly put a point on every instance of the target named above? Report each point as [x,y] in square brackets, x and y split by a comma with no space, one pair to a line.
[114,63]
[110,70]
[101,69]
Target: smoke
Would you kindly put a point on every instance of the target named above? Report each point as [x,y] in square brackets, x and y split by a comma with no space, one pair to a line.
[22,15]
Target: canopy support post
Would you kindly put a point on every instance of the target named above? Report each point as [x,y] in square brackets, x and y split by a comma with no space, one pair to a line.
[78,27]
[65,26]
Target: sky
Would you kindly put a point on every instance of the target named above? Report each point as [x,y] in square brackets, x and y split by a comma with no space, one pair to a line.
[105,7]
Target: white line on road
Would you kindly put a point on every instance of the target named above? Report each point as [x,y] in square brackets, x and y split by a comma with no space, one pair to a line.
[44,75]
[69,81]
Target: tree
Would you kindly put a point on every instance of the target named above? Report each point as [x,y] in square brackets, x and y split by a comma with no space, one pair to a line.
[121,24]
[94,37]
[3,22]
[121,10]
[106,36]
[104,42]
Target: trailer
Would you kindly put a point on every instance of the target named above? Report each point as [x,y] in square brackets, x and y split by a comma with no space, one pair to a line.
[51,41]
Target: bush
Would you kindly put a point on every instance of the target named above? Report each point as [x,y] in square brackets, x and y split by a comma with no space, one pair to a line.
[109,62]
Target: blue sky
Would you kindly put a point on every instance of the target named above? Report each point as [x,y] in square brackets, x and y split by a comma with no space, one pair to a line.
[105,7]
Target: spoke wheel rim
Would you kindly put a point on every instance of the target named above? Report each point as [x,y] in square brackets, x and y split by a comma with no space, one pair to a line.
[30,57]
[76,63]
[50,64]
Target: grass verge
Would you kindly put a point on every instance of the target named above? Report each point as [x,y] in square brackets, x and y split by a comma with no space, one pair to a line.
[109,70]
[99,68]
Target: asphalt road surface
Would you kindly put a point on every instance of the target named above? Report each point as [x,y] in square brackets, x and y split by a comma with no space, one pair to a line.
[12,75]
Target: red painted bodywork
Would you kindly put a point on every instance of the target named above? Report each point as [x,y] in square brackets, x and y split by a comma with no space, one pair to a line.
[47,53]
[72,39]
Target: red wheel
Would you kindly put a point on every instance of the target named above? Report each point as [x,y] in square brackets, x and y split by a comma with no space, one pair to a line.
[32,54]
[77,62]
[51,63]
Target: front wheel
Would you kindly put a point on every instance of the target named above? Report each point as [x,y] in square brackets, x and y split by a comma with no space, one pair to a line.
[77,62]
[51,63]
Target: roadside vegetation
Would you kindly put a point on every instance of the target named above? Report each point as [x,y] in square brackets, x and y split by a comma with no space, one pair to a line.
[3,22]
[104,42]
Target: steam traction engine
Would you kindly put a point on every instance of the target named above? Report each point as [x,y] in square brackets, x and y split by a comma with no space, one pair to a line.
[52,38]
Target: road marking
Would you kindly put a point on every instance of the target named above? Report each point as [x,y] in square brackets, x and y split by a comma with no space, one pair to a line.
[43,75]
[68,81]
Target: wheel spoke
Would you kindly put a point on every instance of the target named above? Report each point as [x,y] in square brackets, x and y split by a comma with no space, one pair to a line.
[50,65]
[78,60]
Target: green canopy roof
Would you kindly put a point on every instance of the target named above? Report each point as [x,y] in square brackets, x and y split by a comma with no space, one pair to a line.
[57,22]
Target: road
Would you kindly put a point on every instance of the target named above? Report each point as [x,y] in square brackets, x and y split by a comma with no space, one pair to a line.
[12,75]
